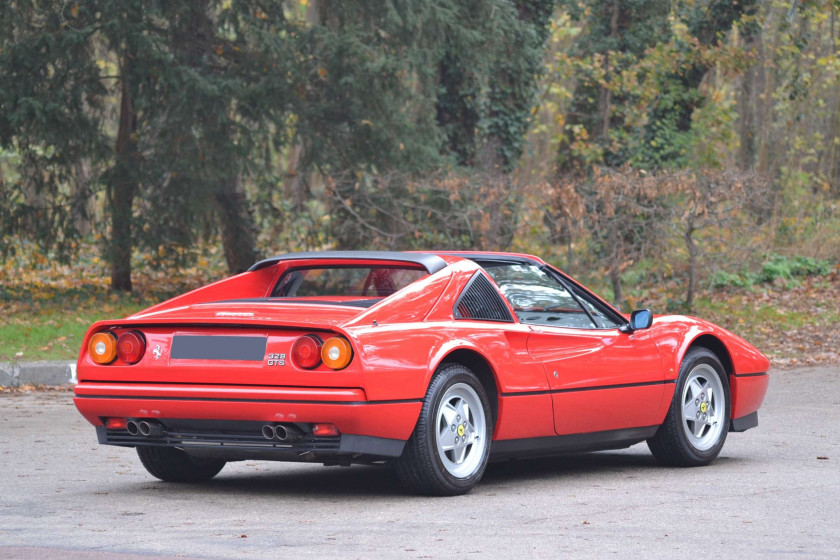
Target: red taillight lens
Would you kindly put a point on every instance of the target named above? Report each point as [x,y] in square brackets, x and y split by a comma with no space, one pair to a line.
[306,352]
[131,346]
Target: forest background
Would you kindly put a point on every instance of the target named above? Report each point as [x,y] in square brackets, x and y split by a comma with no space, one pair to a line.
[682,155]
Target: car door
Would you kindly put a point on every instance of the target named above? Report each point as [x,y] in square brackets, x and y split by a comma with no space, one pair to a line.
[600,378]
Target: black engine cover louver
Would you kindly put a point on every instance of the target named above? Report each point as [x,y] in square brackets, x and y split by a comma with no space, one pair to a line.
[481,302]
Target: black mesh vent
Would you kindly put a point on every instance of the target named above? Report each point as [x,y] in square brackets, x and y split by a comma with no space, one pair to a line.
[481,302]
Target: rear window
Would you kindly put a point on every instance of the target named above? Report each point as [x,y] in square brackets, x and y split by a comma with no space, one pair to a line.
[345,281]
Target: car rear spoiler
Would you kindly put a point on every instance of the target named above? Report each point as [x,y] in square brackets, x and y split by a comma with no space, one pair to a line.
[432,263]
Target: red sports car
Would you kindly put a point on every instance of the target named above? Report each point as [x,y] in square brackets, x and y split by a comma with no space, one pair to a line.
[434,362]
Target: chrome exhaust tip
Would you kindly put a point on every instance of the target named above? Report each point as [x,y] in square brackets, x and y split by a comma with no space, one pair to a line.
[268,431]
[132,427]
[149,429]
[287,432]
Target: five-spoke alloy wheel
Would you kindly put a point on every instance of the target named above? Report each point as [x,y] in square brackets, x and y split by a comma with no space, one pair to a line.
[461,430]
[703,407]
[447,453]
[697,422]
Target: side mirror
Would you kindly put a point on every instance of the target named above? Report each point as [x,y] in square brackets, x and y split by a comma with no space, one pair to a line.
[639,319]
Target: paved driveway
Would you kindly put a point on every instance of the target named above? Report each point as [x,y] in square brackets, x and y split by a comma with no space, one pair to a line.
[775,493]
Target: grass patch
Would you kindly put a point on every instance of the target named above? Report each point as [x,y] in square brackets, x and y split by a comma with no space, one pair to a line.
[737,313]
[53,330]
[46,307]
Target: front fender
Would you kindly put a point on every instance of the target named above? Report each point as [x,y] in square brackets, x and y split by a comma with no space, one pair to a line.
[675,334]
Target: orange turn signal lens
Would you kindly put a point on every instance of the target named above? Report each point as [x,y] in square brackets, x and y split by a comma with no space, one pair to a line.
[103,347]
[336,353]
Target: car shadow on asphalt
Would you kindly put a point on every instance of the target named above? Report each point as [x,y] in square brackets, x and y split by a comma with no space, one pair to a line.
[560,466]
[313,481]
[378,481]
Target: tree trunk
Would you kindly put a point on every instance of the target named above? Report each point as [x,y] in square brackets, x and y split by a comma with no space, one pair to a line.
[615,278]
[765,126]
[239,236]
[295,187]
[692,266]
[82,208]
[605,95]
[123,188]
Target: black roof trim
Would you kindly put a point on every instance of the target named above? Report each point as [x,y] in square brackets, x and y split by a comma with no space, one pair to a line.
[432,263]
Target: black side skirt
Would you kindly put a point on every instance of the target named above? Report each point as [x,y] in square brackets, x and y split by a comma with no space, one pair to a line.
[557,445]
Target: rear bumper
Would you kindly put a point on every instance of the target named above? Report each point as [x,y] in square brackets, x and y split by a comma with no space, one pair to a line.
[346,408]
[234,440]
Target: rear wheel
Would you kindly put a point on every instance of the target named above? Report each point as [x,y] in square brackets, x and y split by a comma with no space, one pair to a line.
[174,465]
[697,422]
[447,453]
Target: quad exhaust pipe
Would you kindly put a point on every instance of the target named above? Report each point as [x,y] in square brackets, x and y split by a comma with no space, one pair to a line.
[132,427]
[283,432]
[145,428]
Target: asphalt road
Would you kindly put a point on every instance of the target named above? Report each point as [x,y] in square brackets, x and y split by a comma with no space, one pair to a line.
[774,493]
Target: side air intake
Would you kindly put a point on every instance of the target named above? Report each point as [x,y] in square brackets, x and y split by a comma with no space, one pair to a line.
[481,302]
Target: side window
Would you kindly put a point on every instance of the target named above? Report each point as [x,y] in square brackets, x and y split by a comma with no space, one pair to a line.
[537,298]
[601,318]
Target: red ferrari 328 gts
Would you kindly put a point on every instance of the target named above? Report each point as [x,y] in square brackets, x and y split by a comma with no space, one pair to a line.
[435,363]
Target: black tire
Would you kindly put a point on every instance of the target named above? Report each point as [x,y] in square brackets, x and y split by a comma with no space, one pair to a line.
[425,467]
[681,442]
[174,465]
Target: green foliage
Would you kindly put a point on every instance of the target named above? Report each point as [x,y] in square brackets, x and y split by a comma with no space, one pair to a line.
[639,67]
[776,267]
[195,87]
[412,86]
[398,91]
[723,279]
[402,124]
[790,268]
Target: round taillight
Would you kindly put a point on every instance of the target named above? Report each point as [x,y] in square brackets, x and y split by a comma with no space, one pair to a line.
[336,352]
[306,351]
[103,347]
[130,347]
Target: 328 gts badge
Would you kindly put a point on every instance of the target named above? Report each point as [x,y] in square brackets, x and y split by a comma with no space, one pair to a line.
[275,359]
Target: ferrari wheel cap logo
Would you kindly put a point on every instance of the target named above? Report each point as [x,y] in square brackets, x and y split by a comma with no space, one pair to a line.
[704,407]
[461,430]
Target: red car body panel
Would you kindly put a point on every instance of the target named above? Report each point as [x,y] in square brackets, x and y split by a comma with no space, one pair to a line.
[544,381]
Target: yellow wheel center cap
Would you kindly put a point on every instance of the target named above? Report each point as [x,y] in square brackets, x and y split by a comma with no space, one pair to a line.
[703,408]
[461,430]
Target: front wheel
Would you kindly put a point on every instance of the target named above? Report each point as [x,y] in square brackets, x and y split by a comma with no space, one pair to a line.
[697,422]
[448,451]
[174,465]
